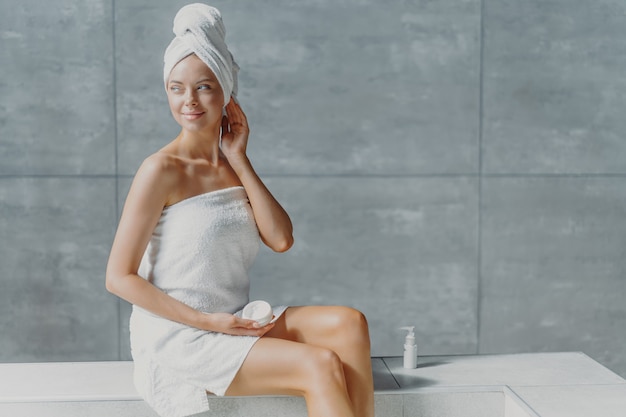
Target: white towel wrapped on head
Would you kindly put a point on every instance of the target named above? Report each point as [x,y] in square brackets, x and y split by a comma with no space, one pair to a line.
[199,30]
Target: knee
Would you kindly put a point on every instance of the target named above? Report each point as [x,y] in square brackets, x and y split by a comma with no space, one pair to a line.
[324,366]
[353,323]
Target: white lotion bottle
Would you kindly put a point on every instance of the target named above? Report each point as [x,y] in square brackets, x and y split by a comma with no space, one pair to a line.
[410,348]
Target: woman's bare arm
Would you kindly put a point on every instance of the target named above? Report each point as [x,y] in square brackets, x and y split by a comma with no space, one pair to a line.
[144,204]
[272,220]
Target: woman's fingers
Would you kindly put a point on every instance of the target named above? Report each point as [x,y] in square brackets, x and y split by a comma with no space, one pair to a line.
[246,323]
[235,113]
[224,124]
[246,327]
[235,131]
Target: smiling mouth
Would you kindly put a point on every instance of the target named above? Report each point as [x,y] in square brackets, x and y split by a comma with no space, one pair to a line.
[192,116]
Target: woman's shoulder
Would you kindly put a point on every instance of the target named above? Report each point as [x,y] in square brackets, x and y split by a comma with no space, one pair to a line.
[161,169]
[161,163]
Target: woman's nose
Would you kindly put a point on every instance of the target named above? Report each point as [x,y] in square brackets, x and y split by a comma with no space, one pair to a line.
[190,99]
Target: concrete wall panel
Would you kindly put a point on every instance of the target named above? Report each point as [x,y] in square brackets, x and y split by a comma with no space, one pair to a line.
[56,111]
[553,266]
[56,237]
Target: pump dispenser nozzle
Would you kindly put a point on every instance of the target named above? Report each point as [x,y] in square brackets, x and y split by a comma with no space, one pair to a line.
[410,336]
[410,348]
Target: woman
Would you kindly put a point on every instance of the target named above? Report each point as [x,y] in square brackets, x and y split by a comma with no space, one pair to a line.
[187,236]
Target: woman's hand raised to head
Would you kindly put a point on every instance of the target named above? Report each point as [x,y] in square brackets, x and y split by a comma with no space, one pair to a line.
[235,132]
[231,324]
[272,220]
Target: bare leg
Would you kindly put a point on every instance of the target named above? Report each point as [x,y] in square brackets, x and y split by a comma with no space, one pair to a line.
[276,366]
[344,331]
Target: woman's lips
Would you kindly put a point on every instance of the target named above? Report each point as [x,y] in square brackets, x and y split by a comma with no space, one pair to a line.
[193,116]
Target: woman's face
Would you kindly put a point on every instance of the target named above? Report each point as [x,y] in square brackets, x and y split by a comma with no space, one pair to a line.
[194,95]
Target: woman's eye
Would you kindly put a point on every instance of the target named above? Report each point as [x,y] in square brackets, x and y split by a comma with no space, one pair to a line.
[175,89]
[204,87]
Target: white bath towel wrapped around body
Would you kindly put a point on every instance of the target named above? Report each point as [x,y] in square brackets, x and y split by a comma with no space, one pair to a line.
[199,253]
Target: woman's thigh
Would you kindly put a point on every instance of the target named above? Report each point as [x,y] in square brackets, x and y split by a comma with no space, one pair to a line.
[278,367]
[319,325]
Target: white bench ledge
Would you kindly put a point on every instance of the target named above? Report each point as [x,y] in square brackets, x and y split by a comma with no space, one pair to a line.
[527,385]
[67,381]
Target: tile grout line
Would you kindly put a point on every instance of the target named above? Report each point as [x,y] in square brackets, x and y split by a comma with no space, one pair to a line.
[390,373]
[589,176]
[480,175]
[116,159]
[481,38]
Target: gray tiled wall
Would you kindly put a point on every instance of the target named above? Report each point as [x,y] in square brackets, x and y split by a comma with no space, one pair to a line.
[453,165]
